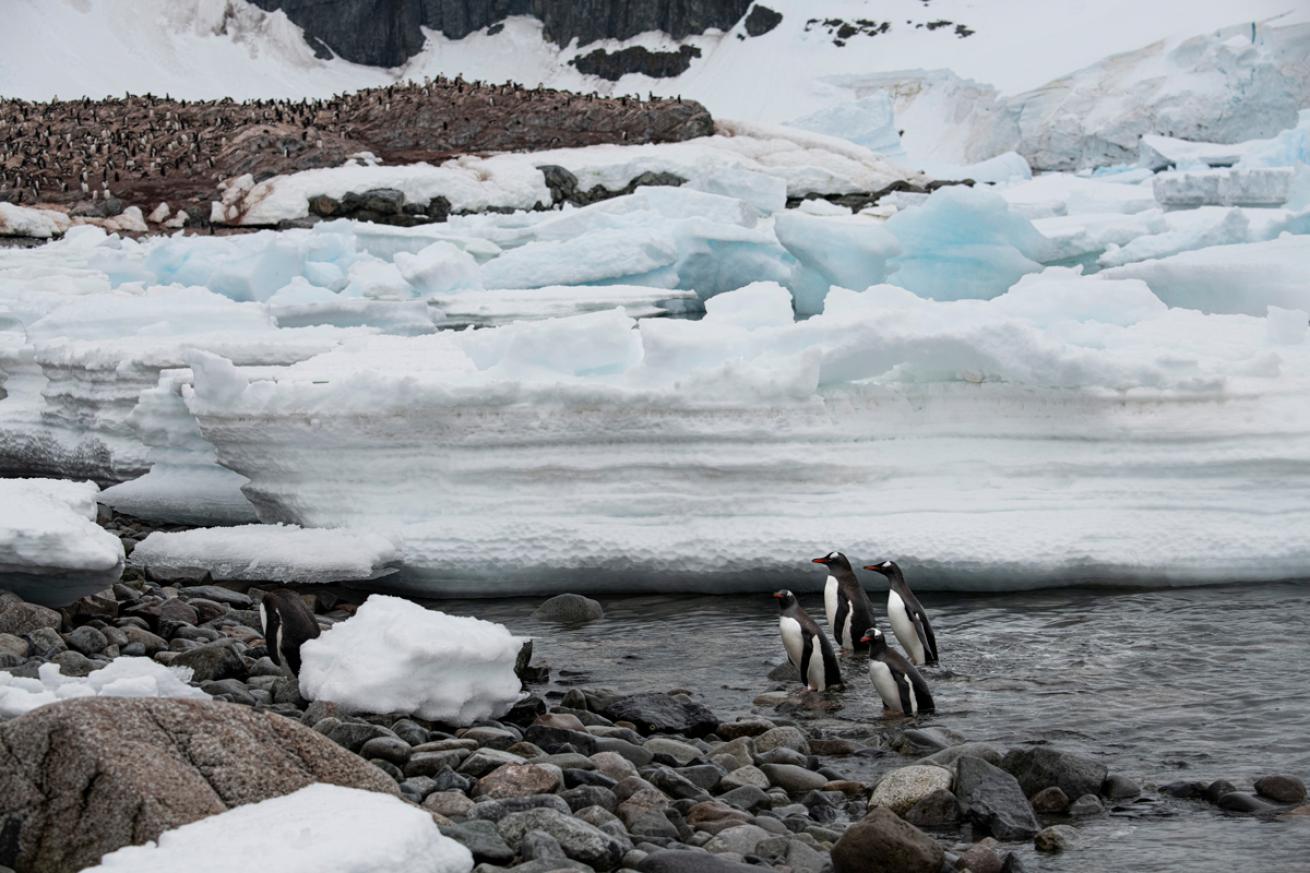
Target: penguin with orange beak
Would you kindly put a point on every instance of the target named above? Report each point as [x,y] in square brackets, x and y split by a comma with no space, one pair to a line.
[849,609]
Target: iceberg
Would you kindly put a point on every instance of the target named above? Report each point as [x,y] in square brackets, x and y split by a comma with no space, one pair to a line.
[51,550]
[320,827]
[963,243]
[394,656]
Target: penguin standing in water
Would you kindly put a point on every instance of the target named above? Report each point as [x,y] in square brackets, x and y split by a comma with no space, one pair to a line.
[849,609]
[906,615]
[900,686]
[287,624]
[807,648]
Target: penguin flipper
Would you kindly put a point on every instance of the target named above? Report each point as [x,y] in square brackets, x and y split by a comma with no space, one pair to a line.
[922,695]
[904,686]
[831,669]
[271,623]
[929,640]
[807,652]
[843,612]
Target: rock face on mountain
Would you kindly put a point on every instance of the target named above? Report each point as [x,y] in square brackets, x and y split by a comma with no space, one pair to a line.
[386,33]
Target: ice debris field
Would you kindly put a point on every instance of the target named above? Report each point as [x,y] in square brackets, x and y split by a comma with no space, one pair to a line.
[1097,377]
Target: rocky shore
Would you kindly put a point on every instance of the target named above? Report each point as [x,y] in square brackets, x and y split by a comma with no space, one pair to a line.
[570,779]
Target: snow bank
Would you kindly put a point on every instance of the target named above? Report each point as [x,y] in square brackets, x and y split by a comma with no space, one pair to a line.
[804,162]
[256,552]
[51,549]
[122,677]
[393,655]
[669,454]
[320,827]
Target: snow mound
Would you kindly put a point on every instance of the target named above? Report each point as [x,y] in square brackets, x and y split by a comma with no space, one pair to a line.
[51,549]
[318,828]
[122,677]
[257,552]
[393,655]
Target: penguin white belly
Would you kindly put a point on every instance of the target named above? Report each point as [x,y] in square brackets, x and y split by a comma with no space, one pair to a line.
[793,640]
[830,603]
[885,682]
[903,627]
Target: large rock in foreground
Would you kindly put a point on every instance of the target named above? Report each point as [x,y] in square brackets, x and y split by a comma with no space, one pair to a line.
[84,777]
[883,842]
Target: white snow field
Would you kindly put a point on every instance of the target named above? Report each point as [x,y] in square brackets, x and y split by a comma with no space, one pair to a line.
[122,677]
[51,549]
[258,552]
[394,655]
[320,827]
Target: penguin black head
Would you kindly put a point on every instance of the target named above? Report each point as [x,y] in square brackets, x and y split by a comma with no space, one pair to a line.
[785,599]
[874,639]
[834,559]
[886,568]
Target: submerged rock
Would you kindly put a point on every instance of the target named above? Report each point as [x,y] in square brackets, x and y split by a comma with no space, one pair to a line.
[569,609]
[1284,789]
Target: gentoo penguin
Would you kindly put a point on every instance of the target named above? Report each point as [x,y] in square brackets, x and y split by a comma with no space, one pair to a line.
[906,615]
[849,609]
[807,648]
[287,624]
[900,686]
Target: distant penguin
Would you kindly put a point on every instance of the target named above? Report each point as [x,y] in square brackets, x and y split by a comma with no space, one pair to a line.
[807,648]
[849,609]
[906,616]
[900,686]
[287,624]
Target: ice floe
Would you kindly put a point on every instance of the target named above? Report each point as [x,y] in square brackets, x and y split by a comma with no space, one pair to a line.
[51,549]
[393,655]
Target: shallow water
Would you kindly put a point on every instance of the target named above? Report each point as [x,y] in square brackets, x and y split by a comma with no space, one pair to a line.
[1162,685]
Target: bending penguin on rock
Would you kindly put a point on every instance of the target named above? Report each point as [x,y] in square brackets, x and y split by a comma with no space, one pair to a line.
[807,647]
[849,609]
[287,624]
[906,616]
[900,686]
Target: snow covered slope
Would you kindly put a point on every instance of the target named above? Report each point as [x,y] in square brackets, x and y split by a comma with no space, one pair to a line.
[1066,84]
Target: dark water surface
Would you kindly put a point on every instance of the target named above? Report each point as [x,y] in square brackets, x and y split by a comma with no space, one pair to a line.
[1161,685]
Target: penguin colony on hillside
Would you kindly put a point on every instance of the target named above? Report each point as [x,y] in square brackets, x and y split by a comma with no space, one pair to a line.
[88,150]
[850,616]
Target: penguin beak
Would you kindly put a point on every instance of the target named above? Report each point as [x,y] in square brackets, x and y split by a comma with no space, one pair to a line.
[866,639]
[777,595]
[874,567]
[819,561]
